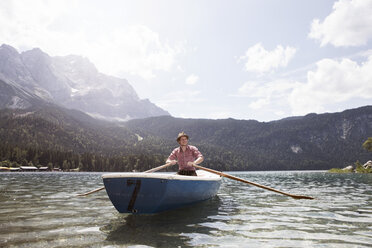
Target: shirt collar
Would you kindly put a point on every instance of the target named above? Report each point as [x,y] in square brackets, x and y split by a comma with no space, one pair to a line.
[187,148]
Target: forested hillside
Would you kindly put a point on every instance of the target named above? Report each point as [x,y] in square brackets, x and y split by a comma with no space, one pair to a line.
[57,137]
[309,142]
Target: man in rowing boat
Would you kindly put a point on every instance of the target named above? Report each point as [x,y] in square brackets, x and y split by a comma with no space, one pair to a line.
[185,155]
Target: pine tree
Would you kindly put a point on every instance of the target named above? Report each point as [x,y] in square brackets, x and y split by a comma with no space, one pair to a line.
[368,144]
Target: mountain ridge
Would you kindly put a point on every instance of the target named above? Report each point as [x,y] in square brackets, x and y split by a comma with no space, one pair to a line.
[73,82]
[47,104]
[313,142]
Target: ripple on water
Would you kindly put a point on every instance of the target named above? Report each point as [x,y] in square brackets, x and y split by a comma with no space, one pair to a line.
[41,210]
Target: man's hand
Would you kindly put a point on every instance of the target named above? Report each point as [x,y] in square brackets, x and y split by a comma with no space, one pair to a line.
[173,162]
[190,163]
[198,161]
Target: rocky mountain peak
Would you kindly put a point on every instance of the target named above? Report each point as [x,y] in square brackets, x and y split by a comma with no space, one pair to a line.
[76,65]
[6,49]
[73,82]
[12,68]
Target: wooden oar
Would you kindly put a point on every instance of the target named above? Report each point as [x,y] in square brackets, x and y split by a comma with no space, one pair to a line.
[252,183]
[148,171]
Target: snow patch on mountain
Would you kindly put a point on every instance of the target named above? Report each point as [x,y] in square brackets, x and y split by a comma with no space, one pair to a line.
[296,149]
[18,103]
[114,119]
[23,114]
[346,127]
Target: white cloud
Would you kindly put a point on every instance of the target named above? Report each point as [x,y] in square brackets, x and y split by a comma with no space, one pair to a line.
[258,59]
[260,103]
[135,49]
[332,82]
[271,96]
[279,113]
[177,98]
[192,79]
[349,24]
[278,88]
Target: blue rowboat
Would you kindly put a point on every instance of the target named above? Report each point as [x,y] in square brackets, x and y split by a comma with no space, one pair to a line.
[144,193]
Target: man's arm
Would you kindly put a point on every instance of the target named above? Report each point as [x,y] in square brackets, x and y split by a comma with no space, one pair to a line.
[198,155]
[199,160]
[172,158]
[173,162]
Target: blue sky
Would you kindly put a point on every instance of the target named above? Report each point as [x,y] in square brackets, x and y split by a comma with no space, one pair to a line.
[262,60]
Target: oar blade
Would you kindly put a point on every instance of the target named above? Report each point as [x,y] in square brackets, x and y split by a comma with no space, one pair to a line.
[302,197]
[91,192]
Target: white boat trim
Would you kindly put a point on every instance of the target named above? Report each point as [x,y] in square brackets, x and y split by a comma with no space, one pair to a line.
[202,176]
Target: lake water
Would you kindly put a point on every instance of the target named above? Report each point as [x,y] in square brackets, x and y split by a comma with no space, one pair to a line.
[41,210]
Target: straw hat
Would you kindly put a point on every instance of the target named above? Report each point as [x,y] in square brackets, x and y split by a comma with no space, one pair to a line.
[182,134]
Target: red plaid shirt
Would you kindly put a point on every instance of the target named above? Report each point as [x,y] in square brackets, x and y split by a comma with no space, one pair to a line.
[189,155]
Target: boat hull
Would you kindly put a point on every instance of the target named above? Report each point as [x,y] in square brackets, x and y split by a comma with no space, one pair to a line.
[143,193]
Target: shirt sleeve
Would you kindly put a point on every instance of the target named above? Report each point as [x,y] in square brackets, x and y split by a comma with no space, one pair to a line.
[173,155]
[196,152]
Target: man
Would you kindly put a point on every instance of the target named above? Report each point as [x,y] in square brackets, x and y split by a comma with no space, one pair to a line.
[185,155]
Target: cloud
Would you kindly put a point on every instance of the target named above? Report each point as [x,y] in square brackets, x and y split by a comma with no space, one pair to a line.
[258,59]
[192,79]
[57,28]
[260,103]
[332,82]
[180,97]
[349,24]
[277,89]
[137,50]
[267,96]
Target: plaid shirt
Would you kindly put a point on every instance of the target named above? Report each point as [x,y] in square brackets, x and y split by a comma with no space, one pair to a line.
[189,155]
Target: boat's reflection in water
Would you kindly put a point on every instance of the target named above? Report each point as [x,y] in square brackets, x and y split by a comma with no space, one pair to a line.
[167,229]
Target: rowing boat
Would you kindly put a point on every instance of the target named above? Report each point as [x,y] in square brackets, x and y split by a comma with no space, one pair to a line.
[143,193]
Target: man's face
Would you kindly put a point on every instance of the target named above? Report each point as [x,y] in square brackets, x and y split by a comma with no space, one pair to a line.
[183,141]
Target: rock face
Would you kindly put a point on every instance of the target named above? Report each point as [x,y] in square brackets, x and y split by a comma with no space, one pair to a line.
[368,165]
[70,81]
[348,168]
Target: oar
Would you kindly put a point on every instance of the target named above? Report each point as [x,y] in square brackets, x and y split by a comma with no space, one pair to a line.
[148,171]
[252,183]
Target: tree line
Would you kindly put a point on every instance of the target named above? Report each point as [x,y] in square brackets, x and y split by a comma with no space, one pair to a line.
[15,156]
[58,140]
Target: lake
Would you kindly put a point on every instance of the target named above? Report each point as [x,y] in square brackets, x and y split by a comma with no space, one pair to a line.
[41,210]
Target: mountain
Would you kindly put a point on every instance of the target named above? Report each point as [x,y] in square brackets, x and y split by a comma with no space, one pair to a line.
[309,142]
[314,141]
[70,81]
[50,135]
[13,97]
[47,105]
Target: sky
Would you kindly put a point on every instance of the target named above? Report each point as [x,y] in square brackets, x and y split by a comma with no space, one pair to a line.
[262,60]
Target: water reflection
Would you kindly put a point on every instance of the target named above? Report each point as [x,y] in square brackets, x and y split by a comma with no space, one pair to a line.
[167,229]
[41,210]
